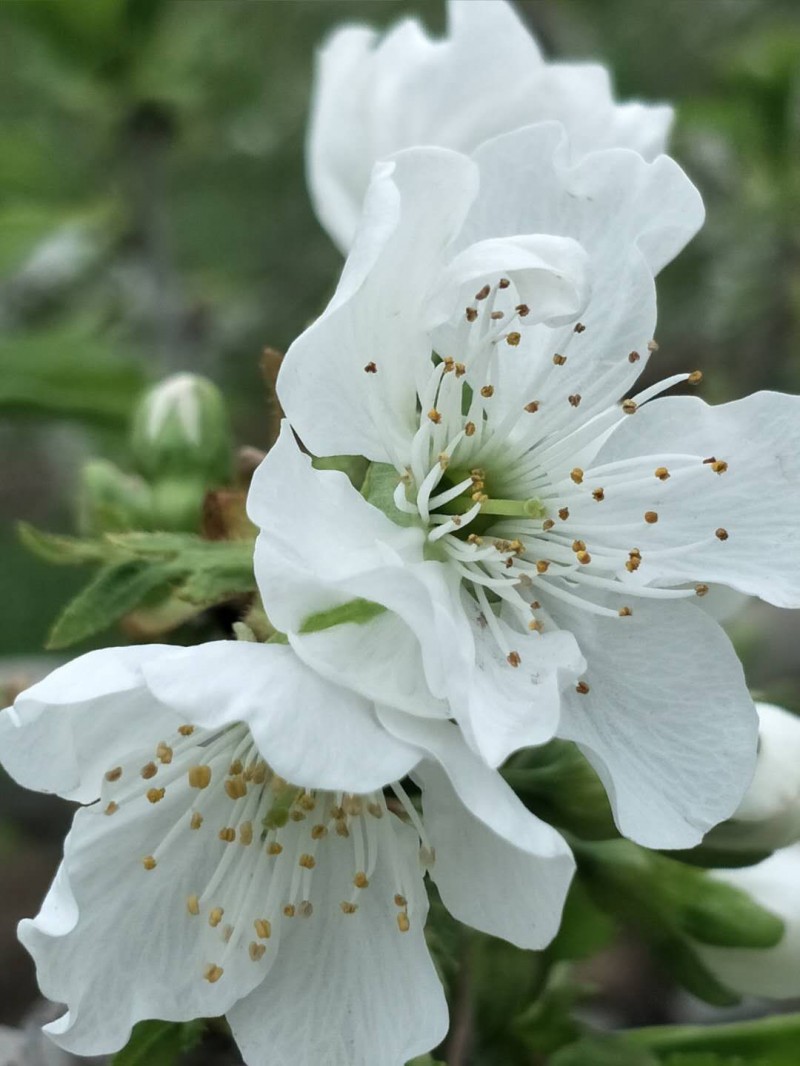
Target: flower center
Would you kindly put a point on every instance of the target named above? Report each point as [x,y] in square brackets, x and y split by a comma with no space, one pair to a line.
[265,843]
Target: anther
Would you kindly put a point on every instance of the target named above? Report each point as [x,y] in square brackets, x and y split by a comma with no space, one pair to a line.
[652,346]
[624,612]
[578,546]
[263,928]
[164,753]
[149,862]
[156,794]
[575,399]
[563,513]
[513,658]
[305,908]
[361,880]
[535,626]
[630,407]
[246,833]
[236,787]
[348,908]
[236,767]
[633,357]
[503,283]
[227,834]
[495,316]
[487,391]
[579,327]
[719,467]
[532,407]
[148,771]
[400,901]
[651,517]
[483,293]
[212,973]
[308,862]
[403,923]
[193,904]
[582,688]
[115,774]
[197,820]
[577,475]
[661,473]
[274,848]
[559,360]
[199,776]
[721,534]
[513,338]
[472,314]
[695,377]
[460,370]
[583,557]
[469,429]
[186,730]
[318,832]
[112,808]
[522,310]
[227,932]
[256,951]
[289,910]
[701,590]
[434,416]
[371,368]
[542,566]
[547,525]
[598,494]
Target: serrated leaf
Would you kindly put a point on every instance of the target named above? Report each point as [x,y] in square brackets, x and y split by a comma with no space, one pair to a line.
[61,550]
[115,591]
[154,1043]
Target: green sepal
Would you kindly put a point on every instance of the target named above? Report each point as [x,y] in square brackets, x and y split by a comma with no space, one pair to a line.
[154,1043]
[378,488]
[354,466]
[357,612]
[61,550]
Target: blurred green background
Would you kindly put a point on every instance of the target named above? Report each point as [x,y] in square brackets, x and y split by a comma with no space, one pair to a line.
[154,217]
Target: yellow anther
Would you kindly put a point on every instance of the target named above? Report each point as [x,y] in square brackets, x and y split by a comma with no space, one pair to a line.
[542,566]
[721,534]
[297,816]
[487,391]
[259,774]
[215,916]
[434,416]
[661,473]
[535,626]
[263,928]
[256,951]
[348,908]
[307,801]
[342,830]
[193,904]
[599,494]
[513,658]
[575,399]
[274,848]
[212,973]
[227,834]
[197,820]
[403,923]
[318,832]
[156,794]
[148,771]
[361,880]
[630,407]
[149,862]
[236,787]
[719,467]
[289,910]
[246,833]
[583,557]
[695,377]
[624,612]
[563,513]
[186,730]
[577,475]
[164,753]
[461,370]
[582,688]
[701,590]
[578,546]
[400,901]
[111,808]
[235,767]
[513,338]
[115,774]
[199,776]
[469,429]
[651,517]
[308,862]
[375,810]
[559,360]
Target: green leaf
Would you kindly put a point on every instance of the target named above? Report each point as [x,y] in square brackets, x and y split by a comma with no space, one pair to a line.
[60,550]
[115,591]
[585,929]
[156,1043]
[357,611]
[602,1051]
[769,1041]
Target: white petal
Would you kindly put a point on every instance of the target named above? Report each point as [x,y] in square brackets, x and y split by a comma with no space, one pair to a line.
[63,733]
[498,868]
[756,500]
[310,731]
[335,406]
[349,990]
[772,972]
[667,723]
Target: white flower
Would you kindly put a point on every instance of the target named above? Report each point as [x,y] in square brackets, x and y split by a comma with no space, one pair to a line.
[247,848]
[374,97]
[772,972]
[539,584]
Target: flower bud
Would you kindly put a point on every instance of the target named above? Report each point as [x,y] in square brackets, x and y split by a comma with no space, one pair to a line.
[181,429]
[111,501]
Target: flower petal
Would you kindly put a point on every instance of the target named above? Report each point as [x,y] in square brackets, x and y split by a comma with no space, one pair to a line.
[350,989]
[63,733]
[667,722]
[755,501]
[310,731]
[497,867]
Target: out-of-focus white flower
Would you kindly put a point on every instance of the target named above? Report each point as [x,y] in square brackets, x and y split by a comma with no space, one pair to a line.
[247,848]
[374,96]
[771,972]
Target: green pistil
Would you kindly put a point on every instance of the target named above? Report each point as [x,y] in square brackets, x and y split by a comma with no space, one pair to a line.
[532,508]
[278,814]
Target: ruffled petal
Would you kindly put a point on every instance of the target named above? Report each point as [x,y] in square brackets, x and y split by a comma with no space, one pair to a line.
[63,733]
[310,731]
[667,721]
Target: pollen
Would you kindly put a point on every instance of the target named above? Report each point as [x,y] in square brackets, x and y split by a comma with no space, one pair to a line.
[212,973]
[513,338]
[532,407]
[630,407]
[193,904]
[701,589]
[156,794]
[695,377]
[577,475]
[575,399]
[361,880]
[197,820]
[263,928]
[582,688]
[403,923]
[148,771]
[227,834]
[115,774]
[186,730]
[347,907]
[371,368]
[215,916]
[633,357]
[599,495]
[487,391]
[624,612]
[469,429]
[559,360]
[164,753]
[563,513]
[149,862]
[513,658]
[434,416]
[199,776]
[661,473]
[256,951]
[721,534]
[651,517]
[308,862]
[719,466]
[542,566]
[112,808]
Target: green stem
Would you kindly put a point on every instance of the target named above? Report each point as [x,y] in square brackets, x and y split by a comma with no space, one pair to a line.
[775,1034]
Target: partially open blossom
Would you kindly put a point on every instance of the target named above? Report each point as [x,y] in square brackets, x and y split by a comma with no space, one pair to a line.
[374,96]
[770,972]
[537,530]
[247,847]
